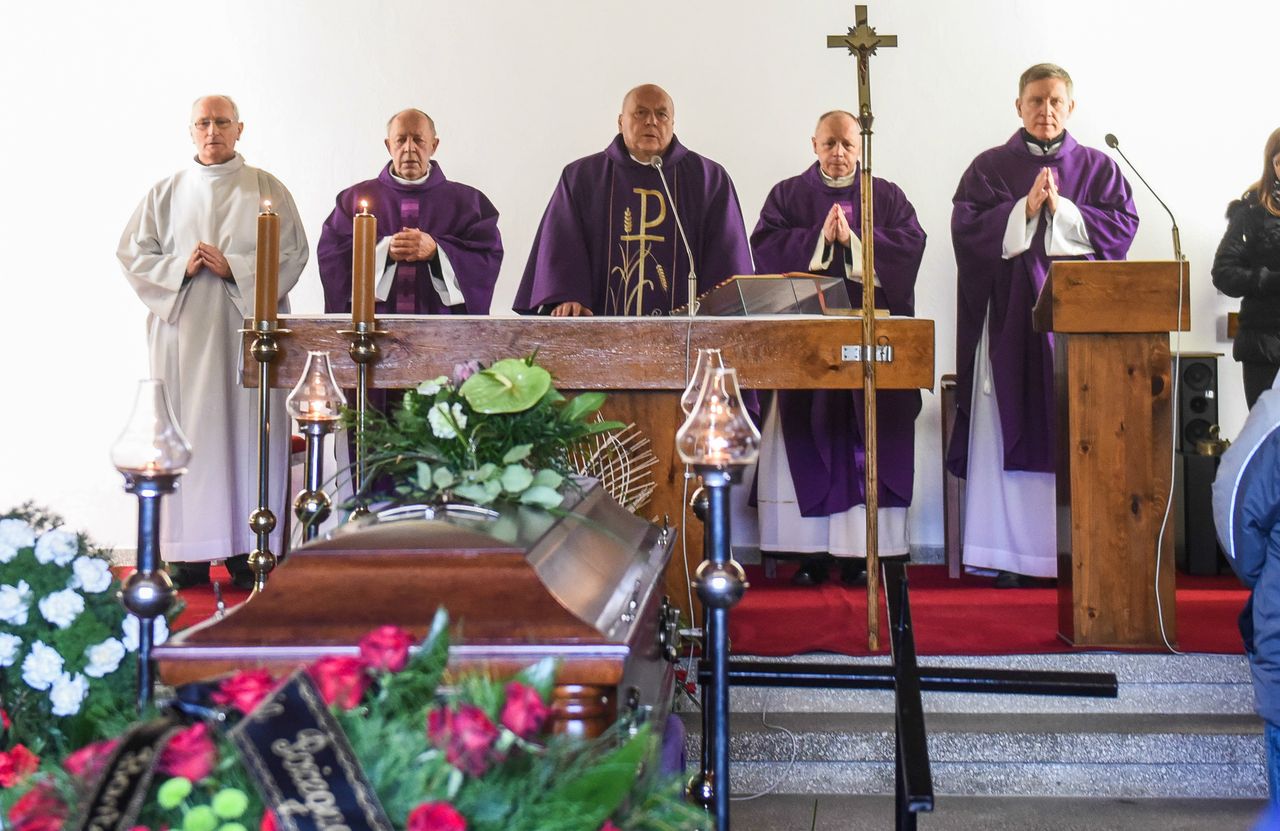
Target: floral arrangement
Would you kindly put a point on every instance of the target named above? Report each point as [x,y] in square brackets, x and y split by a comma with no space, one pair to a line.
[65,675]
[471,756]
[493,433]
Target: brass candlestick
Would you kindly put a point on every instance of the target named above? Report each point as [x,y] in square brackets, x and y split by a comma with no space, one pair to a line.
[364,352]
[316,402]
[262,521]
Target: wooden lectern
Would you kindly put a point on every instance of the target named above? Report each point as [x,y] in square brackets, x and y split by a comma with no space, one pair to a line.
[1111,324]
[640,360]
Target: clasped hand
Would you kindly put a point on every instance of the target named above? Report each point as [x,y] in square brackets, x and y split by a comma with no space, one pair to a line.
[207,256]
[1043,190]
[835,228]
[411,245]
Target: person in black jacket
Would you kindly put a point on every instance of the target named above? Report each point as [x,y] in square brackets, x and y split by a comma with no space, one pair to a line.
[1247,266]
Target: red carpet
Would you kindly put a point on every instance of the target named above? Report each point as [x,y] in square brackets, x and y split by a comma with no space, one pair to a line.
[967,616]
[952,617]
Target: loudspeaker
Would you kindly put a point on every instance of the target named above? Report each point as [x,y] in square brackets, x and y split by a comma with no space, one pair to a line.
[1197,404]
[1196,549]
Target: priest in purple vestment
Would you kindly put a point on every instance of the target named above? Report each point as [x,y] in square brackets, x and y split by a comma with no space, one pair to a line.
[610,242]
[811,477]
[1040,196]
[438,249]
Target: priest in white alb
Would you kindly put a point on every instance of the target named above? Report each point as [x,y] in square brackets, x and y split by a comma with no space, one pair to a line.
[189,252]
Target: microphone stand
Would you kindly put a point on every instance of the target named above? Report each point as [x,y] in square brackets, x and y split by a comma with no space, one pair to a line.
[1114,144]
[656,164]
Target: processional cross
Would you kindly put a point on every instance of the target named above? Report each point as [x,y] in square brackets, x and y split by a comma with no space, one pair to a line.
[862,41]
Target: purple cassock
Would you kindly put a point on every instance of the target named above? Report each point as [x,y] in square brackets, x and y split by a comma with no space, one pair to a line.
[1022,358]
[461,220]
[824,430]
[608,239]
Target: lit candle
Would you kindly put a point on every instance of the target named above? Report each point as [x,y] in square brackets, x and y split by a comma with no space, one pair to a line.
[365,240]
[268,276]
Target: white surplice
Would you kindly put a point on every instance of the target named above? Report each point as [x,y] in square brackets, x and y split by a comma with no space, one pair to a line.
[195,345]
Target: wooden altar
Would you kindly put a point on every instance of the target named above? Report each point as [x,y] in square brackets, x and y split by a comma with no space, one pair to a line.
[642,361]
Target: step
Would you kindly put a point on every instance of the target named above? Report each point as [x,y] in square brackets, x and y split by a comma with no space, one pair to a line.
[794,812]
[1113,755]
[1173,684]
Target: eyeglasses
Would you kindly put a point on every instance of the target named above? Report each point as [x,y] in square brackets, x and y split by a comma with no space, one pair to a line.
[204,124]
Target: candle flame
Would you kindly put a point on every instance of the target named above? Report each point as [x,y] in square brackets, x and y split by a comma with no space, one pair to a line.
[266,205]
[364,206]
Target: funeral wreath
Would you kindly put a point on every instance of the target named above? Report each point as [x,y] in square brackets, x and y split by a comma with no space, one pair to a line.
[382,739]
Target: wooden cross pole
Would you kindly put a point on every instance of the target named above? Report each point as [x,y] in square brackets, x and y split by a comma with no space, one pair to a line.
[863,41]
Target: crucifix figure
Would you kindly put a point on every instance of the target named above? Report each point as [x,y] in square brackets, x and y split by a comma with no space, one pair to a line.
[862,41]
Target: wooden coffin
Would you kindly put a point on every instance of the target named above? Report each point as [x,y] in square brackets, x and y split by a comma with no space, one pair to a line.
[519,583]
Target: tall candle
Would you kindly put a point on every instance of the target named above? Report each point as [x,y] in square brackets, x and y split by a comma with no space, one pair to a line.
[267,281]
[365,240]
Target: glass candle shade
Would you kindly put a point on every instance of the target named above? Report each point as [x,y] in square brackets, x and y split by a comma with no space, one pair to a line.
[152,443]
[719,432]
[706,358]
[317,396]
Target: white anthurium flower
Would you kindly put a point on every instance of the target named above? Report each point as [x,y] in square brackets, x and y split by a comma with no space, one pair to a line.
[62,608]
[15,534]
[433,386]
[91,575]
[58,547]
[42,666]
[104,658]
[67,693]
[160,632]
[9,645]
[15,602]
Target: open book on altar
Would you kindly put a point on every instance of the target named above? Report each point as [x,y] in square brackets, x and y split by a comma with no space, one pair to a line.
[772,294]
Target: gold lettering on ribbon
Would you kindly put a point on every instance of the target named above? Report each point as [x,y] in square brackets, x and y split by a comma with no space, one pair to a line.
[106,813]
[299,760]
[631,275]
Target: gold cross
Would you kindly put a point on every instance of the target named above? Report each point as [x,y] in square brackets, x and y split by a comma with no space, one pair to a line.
[863,41]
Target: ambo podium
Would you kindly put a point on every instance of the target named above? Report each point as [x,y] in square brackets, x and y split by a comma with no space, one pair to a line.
[1111,324]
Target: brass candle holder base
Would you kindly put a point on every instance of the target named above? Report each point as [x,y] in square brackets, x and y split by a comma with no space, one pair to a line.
[364,351]
[265,348]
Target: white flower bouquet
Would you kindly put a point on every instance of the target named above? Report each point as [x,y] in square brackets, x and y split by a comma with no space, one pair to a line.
[65,675]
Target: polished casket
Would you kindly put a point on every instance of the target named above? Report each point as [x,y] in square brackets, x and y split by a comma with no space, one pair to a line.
[582,586]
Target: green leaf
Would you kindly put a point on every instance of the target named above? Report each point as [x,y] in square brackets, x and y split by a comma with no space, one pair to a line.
[541,676]
[509,386]
[443,478]
[541,496]
[517,454]
[594,427]
[475,492]
[600,789]
[582,406]
[516,478]
[548,478]
[487,470]
[493,488]
[424,475]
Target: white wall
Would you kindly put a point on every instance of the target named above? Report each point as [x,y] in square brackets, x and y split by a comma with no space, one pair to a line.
[94,99]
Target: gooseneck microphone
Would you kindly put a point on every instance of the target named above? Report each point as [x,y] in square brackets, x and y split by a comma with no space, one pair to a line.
[656,164]
[1114,144]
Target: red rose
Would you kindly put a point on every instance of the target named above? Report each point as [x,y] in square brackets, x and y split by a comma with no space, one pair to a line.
[386,648]
[190,753]
[4,719]
[16,765]
[268,822]
[524,713]
[342,681]
[435,816]
[465,736]
[245,690]
[609,826]
[39,809]
[88,761]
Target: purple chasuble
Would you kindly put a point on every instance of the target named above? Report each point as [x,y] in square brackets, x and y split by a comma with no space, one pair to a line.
[608,239]
[1022,358]
[824,430]
[461,220]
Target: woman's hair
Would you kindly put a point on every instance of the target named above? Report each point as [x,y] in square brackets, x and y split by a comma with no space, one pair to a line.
[1265,189]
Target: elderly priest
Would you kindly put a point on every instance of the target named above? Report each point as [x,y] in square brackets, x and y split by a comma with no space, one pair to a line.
[1038,197]
[189,252]
[610,241]
[438,248]
[811,476]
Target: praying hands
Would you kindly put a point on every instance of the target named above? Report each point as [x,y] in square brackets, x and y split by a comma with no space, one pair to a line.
[1043,190]
[206,256]
[835,228]
[411,245]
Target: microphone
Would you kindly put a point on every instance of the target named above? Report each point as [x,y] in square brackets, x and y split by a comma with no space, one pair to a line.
[1114,144]
[656,164]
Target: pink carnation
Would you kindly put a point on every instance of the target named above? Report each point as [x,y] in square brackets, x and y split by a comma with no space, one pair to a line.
[190,753]
[88,761]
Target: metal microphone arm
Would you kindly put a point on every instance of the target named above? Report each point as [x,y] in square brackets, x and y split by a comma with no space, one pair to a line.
[1114,144]
[656,164]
